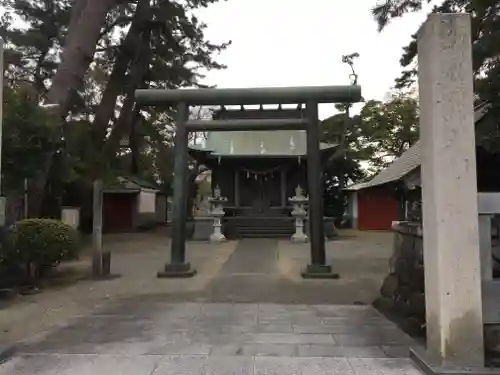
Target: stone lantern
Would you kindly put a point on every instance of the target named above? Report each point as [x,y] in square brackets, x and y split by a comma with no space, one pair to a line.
[217,214]
[299,213]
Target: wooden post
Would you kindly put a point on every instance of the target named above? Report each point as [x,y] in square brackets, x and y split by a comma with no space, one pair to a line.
[97,255]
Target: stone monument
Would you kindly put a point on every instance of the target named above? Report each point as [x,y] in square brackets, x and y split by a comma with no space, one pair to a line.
[453,290]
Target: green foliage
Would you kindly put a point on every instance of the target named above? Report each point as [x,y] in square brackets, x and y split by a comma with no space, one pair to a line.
[381,132]
[385,10]
[342,125]
[32,51]
[143,44]
[40,244]
[387,129]
[79,149]
[334,201]
[28,132]
[485,23]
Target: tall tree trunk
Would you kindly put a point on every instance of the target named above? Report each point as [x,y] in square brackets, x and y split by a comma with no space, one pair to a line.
[129,112]
[114,87]
[87,19]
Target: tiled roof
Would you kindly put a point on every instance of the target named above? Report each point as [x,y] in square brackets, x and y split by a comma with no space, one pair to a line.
[128,183]
[407,162]
[399,168]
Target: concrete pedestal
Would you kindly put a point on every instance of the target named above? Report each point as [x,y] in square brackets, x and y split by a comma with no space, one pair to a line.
[299,236]
[430,366]
[202,228]
[217,236]
[449,193]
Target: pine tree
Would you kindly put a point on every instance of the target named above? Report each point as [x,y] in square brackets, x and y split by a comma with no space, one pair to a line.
[485,23]
[164,47]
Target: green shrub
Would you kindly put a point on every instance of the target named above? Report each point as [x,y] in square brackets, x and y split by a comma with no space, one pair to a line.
[39,244]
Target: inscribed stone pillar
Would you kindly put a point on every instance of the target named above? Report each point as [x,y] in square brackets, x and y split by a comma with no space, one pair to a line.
[449,191]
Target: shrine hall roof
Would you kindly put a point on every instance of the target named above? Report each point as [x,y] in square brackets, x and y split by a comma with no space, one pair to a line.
[258,143]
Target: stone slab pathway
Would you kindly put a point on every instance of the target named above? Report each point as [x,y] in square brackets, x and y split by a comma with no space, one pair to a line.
[248,319]
[215,338]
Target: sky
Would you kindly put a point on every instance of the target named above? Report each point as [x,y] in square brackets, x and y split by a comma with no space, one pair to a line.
[301,43]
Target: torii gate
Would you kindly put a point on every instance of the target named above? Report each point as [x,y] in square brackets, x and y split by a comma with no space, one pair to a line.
[310,96]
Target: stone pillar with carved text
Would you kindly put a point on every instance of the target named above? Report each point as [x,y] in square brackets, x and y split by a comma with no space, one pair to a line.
[449,194]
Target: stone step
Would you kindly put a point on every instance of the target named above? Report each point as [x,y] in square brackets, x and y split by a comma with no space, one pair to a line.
[264,227]
[261,227]
[261,222]
[263,235]
[264,230]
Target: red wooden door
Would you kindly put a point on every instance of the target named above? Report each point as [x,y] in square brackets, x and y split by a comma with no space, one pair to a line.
[118,212]
[377,209]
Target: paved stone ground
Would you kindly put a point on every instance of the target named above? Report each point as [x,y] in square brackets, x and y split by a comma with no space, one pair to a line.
[199,338]
[137,258]
[250,314]
[267,270]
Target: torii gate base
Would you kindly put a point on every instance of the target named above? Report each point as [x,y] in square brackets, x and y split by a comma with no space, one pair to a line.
[310,96]
[318,271]
[177,271]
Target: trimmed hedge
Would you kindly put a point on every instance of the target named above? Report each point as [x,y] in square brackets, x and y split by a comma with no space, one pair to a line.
[38,245]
